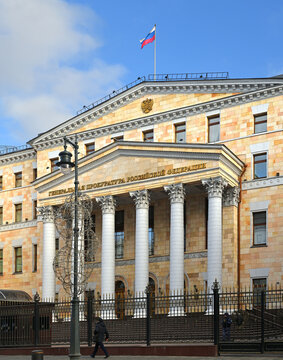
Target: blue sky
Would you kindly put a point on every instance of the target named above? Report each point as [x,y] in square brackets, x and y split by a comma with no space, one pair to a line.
[58,55]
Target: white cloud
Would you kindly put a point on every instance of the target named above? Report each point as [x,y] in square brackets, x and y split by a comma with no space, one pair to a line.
[42,44]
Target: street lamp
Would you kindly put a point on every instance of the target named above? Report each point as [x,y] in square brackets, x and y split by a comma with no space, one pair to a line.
[66,165]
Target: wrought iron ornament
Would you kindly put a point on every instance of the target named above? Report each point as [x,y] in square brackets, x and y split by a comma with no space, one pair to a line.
[87,242]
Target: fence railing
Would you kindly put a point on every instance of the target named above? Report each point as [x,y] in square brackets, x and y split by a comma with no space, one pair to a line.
[256,317]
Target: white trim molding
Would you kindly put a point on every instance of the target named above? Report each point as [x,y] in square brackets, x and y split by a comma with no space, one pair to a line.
[259,273]
[17,169]
[259,109]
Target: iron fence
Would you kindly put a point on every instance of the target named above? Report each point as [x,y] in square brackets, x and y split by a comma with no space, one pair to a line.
[257,318]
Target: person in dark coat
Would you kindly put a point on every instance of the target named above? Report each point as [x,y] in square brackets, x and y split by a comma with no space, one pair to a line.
[100,333]
[226,325]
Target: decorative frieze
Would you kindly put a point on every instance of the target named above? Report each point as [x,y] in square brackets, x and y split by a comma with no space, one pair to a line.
[45,214]
[231,196]
[215,186]
[176,192]
[141,198]
[107,204]
[20,225]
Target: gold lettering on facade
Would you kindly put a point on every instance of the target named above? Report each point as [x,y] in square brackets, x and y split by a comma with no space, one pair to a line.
[148,175]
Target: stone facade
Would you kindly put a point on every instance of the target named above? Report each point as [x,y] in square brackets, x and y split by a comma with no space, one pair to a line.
[138,175]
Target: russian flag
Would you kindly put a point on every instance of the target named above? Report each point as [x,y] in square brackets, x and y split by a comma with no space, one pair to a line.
[149,38]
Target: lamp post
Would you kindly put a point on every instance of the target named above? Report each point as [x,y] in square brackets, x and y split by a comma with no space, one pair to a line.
[66,165]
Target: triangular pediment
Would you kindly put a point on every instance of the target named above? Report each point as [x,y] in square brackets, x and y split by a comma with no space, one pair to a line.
[124,166]
[171,100]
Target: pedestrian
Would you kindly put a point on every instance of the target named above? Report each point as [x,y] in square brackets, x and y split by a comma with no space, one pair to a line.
[226,325]
[100,333]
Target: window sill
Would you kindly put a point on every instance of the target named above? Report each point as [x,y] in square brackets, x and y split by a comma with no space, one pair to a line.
[17,273]
[258,246]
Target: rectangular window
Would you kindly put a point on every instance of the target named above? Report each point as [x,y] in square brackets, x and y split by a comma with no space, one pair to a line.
[119,234]
[1,261]
[57,246]
[89,148]
[214,128]
[260,166]
[148,136]
[185,226]
[259,228]
[34,174]
[1,183]
[1,215]
[118,138]
[258,285]
[18,212]
[18,260]
[89,234]
[180,133]
[34,258]
[260,123]
[53,164]
[18,179]
[34,209]
[151,230]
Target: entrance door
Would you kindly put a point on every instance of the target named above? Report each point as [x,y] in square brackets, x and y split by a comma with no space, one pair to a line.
[120,299]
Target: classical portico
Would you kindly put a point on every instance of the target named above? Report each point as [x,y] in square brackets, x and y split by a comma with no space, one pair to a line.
[167,181]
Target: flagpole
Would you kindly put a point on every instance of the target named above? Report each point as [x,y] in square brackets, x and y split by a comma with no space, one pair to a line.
[155,55]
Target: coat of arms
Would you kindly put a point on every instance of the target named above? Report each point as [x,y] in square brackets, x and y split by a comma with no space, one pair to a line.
[146,105]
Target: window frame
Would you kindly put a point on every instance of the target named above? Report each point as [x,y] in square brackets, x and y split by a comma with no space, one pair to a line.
[260,122]
[34,258]
[17,210]
[34,209]
[119,235]
[253,228]
[53,165]
[1,215]
[145,133]
[87,150]
[211,118]
[1,261]
[34,174]
[1,182]
[176,131]
[16,271]
[258,162]
[18,179]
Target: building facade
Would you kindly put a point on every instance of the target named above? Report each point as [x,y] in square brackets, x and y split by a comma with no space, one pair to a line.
[186,178]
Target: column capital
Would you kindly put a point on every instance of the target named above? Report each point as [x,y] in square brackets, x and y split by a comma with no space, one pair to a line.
[215,186]
[141,198]
[46,214]
[107,204]
[231,196]
[176,192]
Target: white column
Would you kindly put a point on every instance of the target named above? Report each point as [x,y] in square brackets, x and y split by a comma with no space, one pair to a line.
[141,199]
[107,204]
[215,189]
[48,253]
[177,194]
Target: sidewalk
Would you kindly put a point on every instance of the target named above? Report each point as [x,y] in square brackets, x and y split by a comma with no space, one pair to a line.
[222,357]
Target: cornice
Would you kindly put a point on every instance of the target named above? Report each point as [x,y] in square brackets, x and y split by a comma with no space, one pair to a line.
[55,138]
[18,156]
[146,152]
[16,226]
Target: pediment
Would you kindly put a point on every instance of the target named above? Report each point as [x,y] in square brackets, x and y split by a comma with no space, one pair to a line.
[172,100]
[124,166]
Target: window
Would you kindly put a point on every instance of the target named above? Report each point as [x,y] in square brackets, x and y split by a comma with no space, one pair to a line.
[151,230]
[53,164]
[18,260]
[180,133]
[148,135]
[1,215]
[34,265]
[258,285]
[206,222]
[89,233]
[185,226]
[214,128]
[18,179]
[118,138]
[259,228]
[18,212]
[34,174]
[57,246]
[260,123]
[1,261]
[1,182]
[119,234]
[89,148]
[34,209]
[260,166]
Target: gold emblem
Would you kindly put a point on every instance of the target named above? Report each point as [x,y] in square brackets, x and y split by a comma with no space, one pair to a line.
[146,105]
